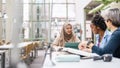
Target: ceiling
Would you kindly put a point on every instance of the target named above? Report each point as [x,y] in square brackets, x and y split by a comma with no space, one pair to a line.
[90,6]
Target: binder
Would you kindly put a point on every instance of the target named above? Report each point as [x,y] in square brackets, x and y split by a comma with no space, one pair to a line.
[72,45]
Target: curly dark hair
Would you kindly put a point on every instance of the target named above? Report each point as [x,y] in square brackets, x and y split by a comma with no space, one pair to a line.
[98,21]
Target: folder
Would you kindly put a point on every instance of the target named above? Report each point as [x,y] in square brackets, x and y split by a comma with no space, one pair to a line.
[72,45]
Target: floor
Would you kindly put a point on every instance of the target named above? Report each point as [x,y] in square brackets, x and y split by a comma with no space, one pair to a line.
[38,61]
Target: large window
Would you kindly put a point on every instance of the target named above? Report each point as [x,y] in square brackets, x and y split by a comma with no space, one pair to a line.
[45,17]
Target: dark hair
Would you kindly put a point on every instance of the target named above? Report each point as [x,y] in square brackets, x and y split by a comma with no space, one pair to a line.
[98,21]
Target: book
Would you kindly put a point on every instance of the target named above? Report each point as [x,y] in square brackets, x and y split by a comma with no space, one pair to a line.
[79,52]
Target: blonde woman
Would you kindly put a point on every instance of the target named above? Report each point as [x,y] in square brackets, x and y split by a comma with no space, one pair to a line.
[66,35]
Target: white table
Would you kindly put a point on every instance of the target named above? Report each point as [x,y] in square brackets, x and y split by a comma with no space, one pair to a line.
[6,46]
[23,44]
[9,47]
[86,63]
[20,45]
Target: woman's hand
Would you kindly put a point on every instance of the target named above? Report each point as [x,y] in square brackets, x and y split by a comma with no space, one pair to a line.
[82,45]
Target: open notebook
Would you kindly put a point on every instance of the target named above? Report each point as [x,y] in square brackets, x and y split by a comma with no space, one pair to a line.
[79,52]
[72,45]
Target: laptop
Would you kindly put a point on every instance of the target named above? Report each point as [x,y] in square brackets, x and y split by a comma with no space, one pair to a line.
[72,45]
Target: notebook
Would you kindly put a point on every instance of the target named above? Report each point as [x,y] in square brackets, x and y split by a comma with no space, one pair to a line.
[79,52]
[72,45]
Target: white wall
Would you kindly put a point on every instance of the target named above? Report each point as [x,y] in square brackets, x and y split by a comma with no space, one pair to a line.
[0,19]
[80,14]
